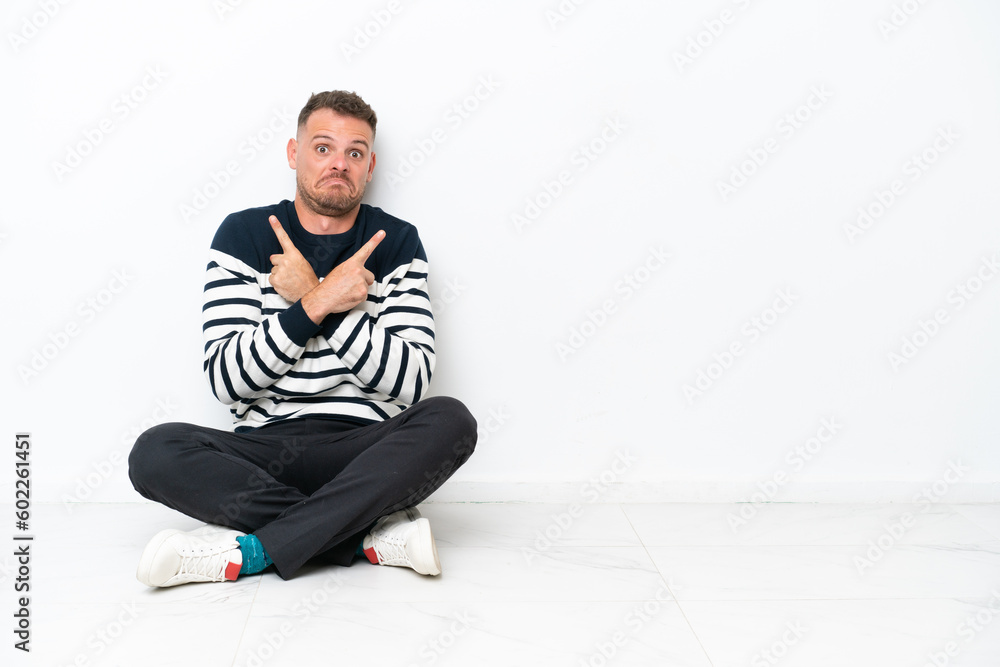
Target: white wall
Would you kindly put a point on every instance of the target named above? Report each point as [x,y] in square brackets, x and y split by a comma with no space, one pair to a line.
[665,133]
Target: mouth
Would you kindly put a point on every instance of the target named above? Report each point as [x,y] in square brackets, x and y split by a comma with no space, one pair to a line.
[334,181]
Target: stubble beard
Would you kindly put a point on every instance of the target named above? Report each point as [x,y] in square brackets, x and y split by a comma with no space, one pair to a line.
[333,204]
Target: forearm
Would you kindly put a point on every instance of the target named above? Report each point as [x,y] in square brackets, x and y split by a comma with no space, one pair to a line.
[247,361]
[246,351]
[315,306]
[388,343]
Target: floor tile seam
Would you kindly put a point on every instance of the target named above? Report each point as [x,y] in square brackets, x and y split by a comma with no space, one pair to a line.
[715,545]
[145,603]
[519,548]
[952,545]
[508,600]
[246,620]
[995,533]
[530,545]
[666,582]
[929,598]
[678,602]
[201,604]
[655,544]
[621,506]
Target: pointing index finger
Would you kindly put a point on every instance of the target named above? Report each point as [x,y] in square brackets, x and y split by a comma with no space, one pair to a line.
[286,243]
[367,249]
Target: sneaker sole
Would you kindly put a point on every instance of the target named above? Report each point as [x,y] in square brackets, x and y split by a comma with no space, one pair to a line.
[144,570]
[425,538]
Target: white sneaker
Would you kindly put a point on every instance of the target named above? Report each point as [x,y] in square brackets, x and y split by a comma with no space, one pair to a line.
[173,557]
[210,529]
[403,539]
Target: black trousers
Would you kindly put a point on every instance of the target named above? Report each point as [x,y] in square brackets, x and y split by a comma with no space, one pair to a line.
[305,487]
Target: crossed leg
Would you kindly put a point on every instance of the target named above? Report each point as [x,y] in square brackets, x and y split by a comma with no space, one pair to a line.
[305,487]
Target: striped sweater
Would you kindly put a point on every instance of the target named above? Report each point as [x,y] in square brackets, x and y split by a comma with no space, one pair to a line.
[268,361]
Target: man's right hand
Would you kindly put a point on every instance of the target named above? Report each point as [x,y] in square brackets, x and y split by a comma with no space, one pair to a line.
[291,275]
[344,287]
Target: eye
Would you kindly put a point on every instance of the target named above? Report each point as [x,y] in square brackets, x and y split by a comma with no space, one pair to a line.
[356,154]
[322,149]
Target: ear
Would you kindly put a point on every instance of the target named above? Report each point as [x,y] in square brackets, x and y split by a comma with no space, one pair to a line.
[371,168]
[292,150]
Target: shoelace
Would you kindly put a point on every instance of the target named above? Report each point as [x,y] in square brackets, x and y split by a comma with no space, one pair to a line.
[391,550]
[211,565]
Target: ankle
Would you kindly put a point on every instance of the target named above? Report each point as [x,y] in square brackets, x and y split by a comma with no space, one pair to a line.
[255,557]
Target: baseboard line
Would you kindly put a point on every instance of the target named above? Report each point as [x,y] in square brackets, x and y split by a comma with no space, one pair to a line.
[593,491]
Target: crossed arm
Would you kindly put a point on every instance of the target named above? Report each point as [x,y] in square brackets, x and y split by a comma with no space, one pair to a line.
[247,351]
[343,288]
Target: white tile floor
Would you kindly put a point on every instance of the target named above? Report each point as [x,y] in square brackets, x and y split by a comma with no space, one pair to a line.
[523,584]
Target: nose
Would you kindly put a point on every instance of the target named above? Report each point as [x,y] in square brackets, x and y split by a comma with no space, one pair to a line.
[337,162]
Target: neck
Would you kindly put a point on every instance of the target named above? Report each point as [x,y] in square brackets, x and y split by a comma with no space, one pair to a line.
[315,223]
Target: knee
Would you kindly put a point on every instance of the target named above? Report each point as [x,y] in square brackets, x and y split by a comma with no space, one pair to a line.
[151,453]
[455,412]
[457,424]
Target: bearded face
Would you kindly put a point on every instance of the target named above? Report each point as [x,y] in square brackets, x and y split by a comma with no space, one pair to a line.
[333,196]
[333,162]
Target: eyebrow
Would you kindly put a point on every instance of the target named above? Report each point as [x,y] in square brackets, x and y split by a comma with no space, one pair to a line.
[332,139]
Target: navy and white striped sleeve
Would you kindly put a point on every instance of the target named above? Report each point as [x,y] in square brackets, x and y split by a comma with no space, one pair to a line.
[389,343]
[245,350]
